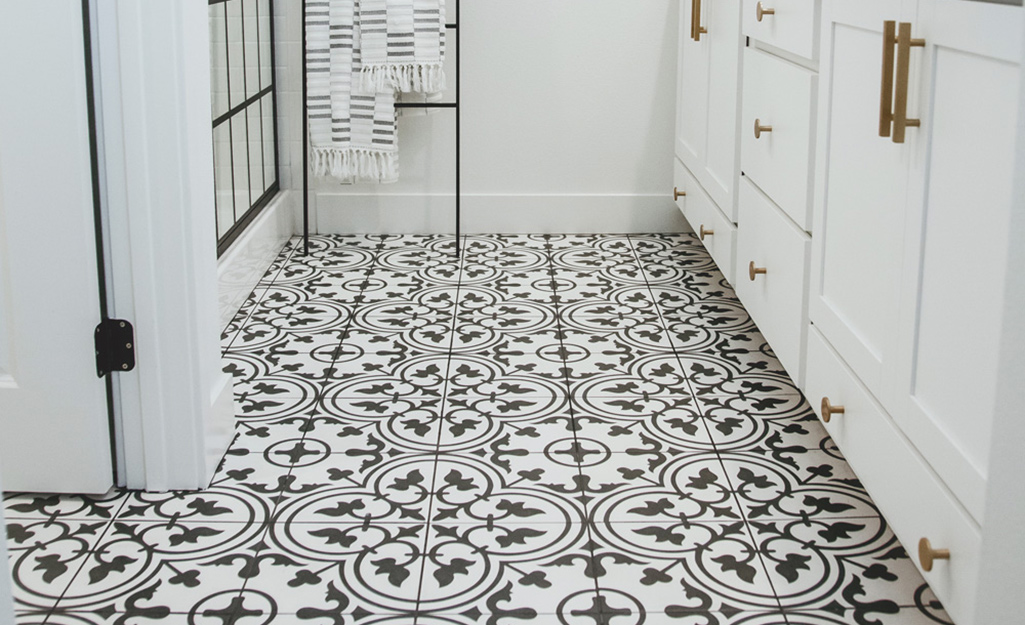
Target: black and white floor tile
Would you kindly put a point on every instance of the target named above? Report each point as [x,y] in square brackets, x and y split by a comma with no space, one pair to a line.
[558,429]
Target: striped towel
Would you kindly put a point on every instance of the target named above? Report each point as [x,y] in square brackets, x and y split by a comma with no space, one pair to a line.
[352,129]
[352,133]
[403,45]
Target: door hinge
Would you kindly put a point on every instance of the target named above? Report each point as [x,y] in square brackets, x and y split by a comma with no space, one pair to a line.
[115,346]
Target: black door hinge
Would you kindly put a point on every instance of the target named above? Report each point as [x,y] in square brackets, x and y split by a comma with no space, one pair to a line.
[115,346]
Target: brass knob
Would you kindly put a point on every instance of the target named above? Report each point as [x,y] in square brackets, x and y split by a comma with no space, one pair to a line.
[705,233]
[753,271]
[762,11]
[677,194]
[828,410]
[759,129]
[927,555]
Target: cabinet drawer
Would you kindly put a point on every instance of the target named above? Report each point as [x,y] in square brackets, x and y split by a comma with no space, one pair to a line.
[906,490]
[791,27]
[701,212]
[781,95]
[777,299]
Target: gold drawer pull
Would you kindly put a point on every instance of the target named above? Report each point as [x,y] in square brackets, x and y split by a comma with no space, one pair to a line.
[696,29]
[677,194]
[753,272]
[705,233]
[927,555]
[759,129]
[900,101]
[828,410]
[762,11]
[886,88]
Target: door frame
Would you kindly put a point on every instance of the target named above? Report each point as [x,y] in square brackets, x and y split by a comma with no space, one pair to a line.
[176,408]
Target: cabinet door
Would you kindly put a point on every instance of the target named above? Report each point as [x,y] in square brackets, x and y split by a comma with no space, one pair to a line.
[964,87]
[722,160]
[861,189]
[692,95]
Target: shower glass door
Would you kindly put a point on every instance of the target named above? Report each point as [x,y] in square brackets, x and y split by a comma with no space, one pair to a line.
[243,111]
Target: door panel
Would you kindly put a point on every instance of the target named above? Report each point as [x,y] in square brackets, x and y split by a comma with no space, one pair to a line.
[692,98]
[861,189]
[956,262]
[54,428]
[724,79]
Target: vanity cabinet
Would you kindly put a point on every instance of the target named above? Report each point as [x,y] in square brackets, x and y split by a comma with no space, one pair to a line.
[708,106]
[777,149]
[917,118]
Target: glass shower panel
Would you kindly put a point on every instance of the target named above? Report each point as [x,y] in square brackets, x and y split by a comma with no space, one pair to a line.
[254,122]
[218,61]
[270,174]
[240,162]
[243,108]
[236,51]
[224,196]
[266,50]
[251,37]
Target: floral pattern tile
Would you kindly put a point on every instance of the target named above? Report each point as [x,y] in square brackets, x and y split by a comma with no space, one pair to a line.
[552,428]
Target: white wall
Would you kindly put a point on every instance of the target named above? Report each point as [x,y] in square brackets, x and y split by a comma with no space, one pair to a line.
[568,125]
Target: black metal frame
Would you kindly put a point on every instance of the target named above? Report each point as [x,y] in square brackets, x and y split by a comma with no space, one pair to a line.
[255,206]
[415,105]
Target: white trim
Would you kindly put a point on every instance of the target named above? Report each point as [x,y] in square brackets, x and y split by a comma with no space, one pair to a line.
[177,412]
[241,267]
[337,213]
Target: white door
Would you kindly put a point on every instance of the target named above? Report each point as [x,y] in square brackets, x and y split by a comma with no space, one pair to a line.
[692,96]
[54,428]
[861,190]
[722,156]
[965,91]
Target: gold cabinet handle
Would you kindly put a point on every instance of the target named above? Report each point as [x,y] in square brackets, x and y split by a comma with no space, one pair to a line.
[900,100]
[753,272]
[828,410]
[762,12]
[759,129]
[696,29]
[886,87]
[677,194]
[706,233]
[927,555]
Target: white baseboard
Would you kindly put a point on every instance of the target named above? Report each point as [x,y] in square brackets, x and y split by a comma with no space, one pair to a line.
[342,213]
[240,269]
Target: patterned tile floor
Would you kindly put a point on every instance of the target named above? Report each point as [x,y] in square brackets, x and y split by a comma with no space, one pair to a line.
[564,429]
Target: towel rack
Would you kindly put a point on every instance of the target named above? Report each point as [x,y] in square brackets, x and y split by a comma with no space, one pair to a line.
[422,105]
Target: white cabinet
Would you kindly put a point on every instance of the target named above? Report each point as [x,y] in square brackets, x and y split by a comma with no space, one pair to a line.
[708,108]
[779,97]
[777,153]
[966,94]
[910,257]
[716,232]
[788,25]
[772,275]
[862,181]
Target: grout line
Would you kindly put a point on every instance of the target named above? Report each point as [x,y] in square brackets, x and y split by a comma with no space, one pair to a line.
[85,560]
[704,423]
[441,428]
[571,401]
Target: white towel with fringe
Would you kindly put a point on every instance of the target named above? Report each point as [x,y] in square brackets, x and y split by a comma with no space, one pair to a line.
[352,133]
[352,128]
[403,45]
